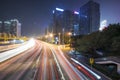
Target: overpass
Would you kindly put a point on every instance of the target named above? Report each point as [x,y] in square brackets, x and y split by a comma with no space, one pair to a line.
[109,60]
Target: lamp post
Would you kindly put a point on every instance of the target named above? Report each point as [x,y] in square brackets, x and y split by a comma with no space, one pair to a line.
[63,30]
[63,36]
[69,36]
[59,38]
[51,35]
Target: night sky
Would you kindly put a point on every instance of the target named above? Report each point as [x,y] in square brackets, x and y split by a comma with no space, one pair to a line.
[35,15]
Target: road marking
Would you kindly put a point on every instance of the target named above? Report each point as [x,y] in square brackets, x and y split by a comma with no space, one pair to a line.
[63,78]
[53,76]
[35,73]
[44,73]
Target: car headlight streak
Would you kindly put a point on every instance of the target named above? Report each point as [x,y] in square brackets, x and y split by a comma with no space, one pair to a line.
[11,53]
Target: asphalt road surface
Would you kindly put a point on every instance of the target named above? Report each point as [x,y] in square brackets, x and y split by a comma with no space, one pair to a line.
[43,61]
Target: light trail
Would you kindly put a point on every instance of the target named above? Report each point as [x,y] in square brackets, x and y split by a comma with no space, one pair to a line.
[96,75]
[11,53]
[72,67]
[63,78]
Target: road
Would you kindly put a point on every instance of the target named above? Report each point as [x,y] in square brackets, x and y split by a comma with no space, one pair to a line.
[9,47]
[43,61]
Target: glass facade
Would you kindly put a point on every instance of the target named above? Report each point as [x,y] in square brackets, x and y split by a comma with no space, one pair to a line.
[89,18]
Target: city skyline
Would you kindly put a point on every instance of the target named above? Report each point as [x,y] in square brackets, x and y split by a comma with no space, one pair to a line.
[10,27]
[36,15]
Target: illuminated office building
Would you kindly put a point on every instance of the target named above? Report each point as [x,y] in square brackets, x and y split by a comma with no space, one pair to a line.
[89,18]
[64,20]
[12,27]
[15,27]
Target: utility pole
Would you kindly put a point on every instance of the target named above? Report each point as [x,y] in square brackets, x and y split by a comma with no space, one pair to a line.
[59,39]
[63,36]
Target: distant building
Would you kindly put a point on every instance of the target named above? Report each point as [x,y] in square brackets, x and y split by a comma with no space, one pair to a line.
[19,30]
[89,18]
[57,20]
[0,26]
[7,27]
[64,20]
[50,28]
[67,21]
[12,27]
[15,27]
[75,30]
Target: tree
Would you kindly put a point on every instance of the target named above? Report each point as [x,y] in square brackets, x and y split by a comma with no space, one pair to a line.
[116,44]
[107,40]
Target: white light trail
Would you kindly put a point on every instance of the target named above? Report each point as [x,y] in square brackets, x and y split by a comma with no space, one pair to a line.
[11,53]
[58,9]
[63,78]
[96,75]
[75,12]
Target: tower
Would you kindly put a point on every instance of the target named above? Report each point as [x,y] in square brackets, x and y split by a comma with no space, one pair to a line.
[89,18]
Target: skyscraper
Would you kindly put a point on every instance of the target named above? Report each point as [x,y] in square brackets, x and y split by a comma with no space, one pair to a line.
[89,17]
[57,20]
[75,30]
[64,22]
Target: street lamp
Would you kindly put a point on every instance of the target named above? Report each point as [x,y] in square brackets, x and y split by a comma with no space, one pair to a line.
[51,35]
[70,34]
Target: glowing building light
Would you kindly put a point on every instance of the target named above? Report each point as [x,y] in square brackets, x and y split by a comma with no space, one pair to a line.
[53,11]
[103,25]
[58,9]
[75,12]
[7,22]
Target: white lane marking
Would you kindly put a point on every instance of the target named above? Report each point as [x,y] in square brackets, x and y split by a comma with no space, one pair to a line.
[44,73]
[37,65]
[73,68]
[63,78]
[53,76]
[45,63]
